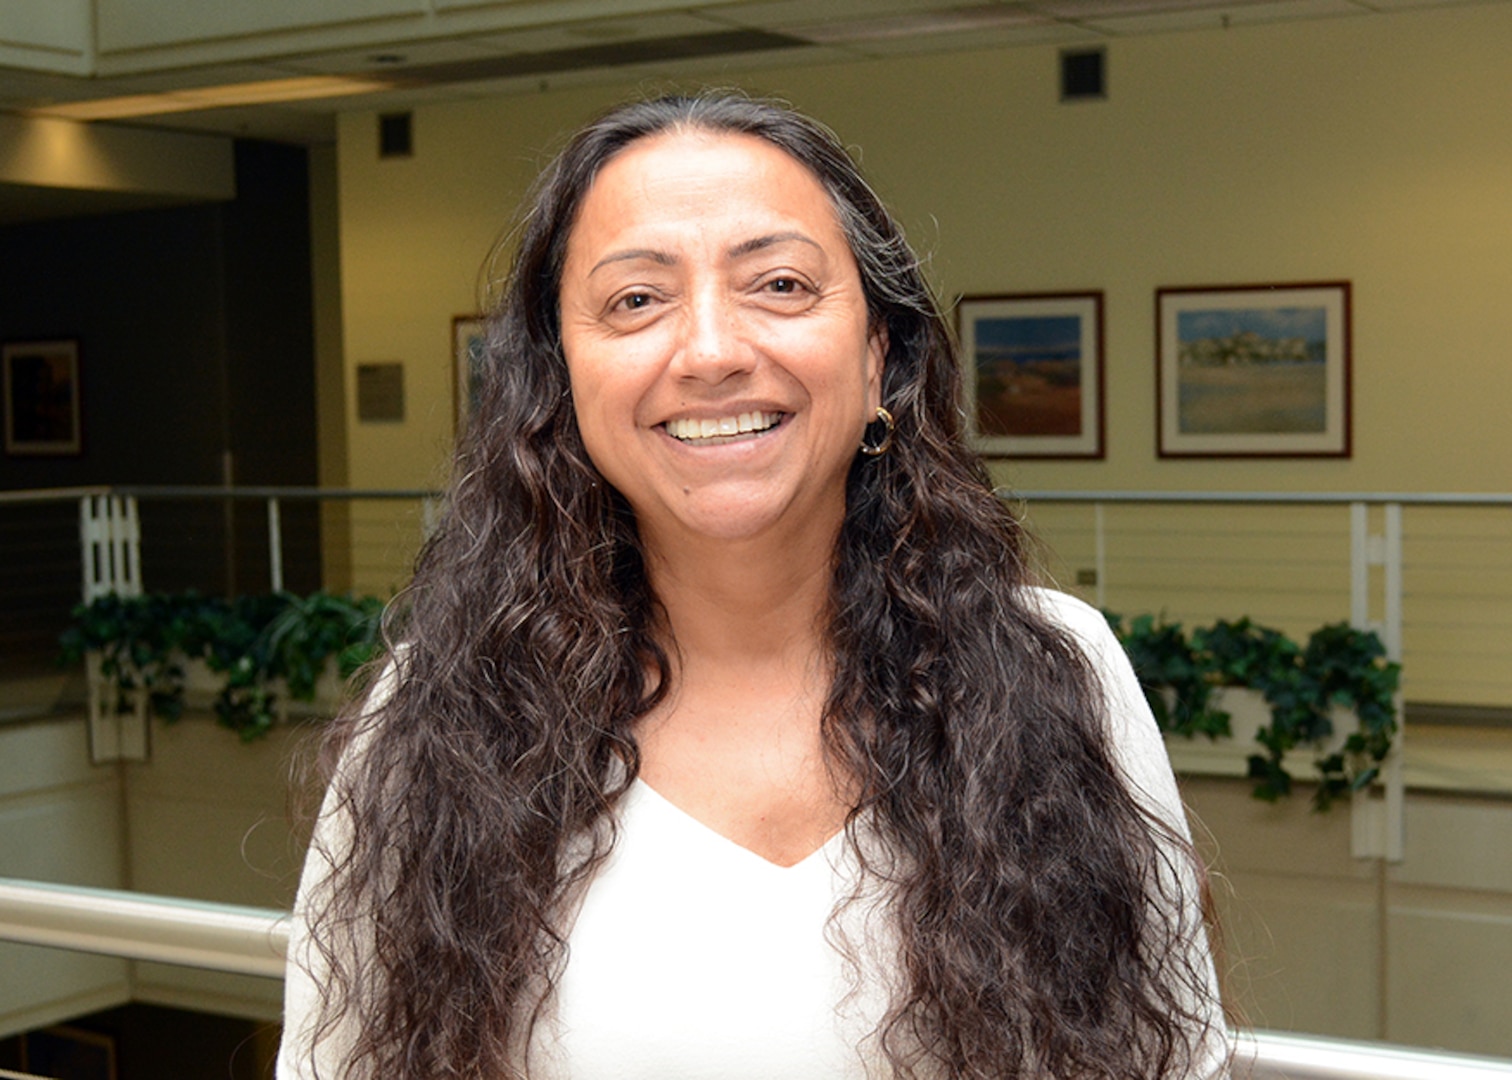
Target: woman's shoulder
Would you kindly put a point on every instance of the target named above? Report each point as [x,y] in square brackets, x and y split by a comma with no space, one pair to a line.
[1069,613]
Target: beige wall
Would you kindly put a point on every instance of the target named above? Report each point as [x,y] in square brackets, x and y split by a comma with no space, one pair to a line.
[207,818]
[1414,953]
[1376,149]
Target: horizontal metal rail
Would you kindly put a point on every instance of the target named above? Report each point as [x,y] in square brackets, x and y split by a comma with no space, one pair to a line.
[48,495]
[253,941]
[218,937]
[1275,1055]
[1327,498]
[196,491]
[182,491]
[193,491]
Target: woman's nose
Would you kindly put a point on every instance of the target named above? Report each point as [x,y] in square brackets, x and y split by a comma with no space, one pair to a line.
[713,346]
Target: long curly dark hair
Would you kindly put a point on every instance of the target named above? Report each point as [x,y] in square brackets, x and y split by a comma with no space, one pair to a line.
[1020,869]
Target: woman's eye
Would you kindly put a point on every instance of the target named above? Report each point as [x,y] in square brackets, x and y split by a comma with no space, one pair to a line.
[634,301]
[784,286]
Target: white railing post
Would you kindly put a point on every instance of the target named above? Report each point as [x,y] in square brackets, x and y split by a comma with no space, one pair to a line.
[1359,566]
[1378,827]
[110,533]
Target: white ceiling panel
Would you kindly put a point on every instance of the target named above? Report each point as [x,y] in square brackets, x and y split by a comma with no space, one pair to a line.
[787,14]
[159,82]
[922,25]
[557,10]
[1219,17]
[1094,9]
[172,45]
[1401,5]
[373,59]
[58,30]
[1044,33]
[128,25]
[578,35]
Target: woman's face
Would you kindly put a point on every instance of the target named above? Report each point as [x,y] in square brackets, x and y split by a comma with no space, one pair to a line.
[717,339]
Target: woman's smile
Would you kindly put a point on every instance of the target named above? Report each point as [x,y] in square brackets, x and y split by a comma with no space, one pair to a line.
[724,429]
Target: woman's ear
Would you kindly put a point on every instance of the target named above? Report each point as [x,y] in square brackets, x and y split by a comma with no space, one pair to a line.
[876,363]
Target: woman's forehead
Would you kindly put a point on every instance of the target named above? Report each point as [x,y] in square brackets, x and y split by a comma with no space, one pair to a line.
[689,175]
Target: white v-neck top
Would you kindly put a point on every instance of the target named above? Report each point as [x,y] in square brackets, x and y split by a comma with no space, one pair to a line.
[693,957]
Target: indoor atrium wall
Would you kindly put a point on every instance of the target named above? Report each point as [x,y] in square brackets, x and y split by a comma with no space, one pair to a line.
[1374,149]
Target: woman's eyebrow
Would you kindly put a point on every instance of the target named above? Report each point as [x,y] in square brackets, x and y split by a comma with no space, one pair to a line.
[740,250]
[758,243]
[662,258]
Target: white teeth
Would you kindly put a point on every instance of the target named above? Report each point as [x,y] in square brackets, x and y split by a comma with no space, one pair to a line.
[689,430]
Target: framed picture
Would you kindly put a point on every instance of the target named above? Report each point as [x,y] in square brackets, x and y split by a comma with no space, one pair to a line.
[1034,374]
[1253,370]
[41,397]
[467,361]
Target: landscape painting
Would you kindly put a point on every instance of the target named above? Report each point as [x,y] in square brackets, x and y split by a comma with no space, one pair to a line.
[1034,374]
[1254,370]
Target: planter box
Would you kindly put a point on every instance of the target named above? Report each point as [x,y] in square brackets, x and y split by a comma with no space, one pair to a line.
[202,686]
[1248,713]
[126,734]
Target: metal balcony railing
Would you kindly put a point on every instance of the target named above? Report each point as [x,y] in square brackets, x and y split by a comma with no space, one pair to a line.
[252,941]
[1302,555]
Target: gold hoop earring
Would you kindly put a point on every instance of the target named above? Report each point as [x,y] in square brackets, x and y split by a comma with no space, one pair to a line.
[882,447]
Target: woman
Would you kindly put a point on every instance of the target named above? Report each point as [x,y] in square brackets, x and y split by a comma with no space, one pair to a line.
[725,734]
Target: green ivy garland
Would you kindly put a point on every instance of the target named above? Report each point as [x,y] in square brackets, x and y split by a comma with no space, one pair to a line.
[1340,665]
[255,640]
[143,642]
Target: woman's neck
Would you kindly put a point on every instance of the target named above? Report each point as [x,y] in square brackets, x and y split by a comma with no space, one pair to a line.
[736,743]
[750,601]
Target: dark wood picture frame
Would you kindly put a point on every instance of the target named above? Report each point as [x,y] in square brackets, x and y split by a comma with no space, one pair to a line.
[1253,370]
[1034,374]
[41,396]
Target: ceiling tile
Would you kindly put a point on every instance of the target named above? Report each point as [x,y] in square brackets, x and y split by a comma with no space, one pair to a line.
[599,32]
[1216,18]
[1094,9]
[1400,5]
[787,14]
[1045,33]
[351,61]
[187,79]
[922,26]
